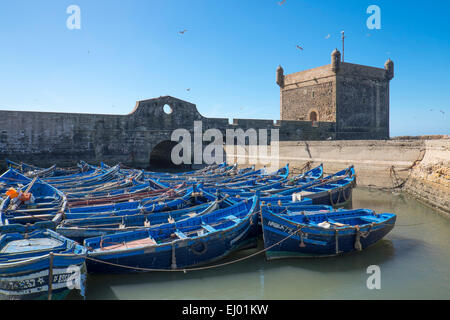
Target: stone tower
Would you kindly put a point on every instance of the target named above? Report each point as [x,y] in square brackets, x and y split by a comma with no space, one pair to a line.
[354,97]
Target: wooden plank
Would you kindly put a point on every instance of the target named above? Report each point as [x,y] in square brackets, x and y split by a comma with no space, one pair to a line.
[208,228]
[181,235]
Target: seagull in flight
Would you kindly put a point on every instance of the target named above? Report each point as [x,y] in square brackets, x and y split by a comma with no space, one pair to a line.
[281,2]
[188,89]
[182,32]
[298,47]
[328,36]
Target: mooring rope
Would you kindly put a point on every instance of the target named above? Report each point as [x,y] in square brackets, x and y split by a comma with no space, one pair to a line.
[198,268]
[305,168]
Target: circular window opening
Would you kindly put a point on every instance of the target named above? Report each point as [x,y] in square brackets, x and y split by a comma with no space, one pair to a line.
[167,109]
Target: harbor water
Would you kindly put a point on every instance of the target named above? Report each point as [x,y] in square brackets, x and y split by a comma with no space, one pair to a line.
[414,262]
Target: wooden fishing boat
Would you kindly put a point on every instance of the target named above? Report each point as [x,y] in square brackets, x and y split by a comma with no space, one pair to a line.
[40,265]
[190,242]
[289,232]
[269,183]
[209,171]
[88,181]
[27,228]
[12,179]
[33,171]
[37,201]
[335,190]
[132,194]
[81,229]
[171,200]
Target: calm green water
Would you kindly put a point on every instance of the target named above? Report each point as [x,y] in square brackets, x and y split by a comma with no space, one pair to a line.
[414,260]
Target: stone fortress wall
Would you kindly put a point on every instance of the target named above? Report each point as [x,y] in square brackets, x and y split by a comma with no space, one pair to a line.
[45,138]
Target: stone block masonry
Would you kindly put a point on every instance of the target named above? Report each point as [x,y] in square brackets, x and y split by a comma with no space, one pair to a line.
[354,97]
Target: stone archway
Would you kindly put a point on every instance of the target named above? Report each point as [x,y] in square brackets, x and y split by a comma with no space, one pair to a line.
[160,158]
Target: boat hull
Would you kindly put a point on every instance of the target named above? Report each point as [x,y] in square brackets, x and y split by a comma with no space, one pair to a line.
[29,279]
[317,242]
[181,254]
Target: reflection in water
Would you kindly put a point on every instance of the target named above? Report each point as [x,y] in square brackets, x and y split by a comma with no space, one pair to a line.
[414,260]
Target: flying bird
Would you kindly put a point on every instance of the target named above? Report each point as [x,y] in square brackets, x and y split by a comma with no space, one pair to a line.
[182,32]
[281,2]
[441,111]
[188,89]
[328,36]
[299,47]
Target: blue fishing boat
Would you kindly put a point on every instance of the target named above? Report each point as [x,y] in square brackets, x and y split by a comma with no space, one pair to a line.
[37,201]
[165,202]
[33,171]
[12,179]
[81,229]
[40,265]
[335,190]
[289,232]
[272,182]
[178,245]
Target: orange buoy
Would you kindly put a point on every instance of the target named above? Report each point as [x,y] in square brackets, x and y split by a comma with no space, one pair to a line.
[12,193]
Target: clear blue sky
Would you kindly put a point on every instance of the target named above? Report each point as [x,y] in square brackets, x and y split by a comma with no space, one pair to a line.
[131,50]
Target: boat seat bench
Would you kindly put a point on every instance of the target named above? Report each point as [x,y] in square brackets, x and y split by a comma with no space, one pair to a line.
[208,228]
[181,235]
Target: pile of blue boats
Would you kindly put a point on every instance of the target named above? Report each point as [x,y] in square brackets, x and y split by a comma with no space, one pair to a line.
[58,224]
